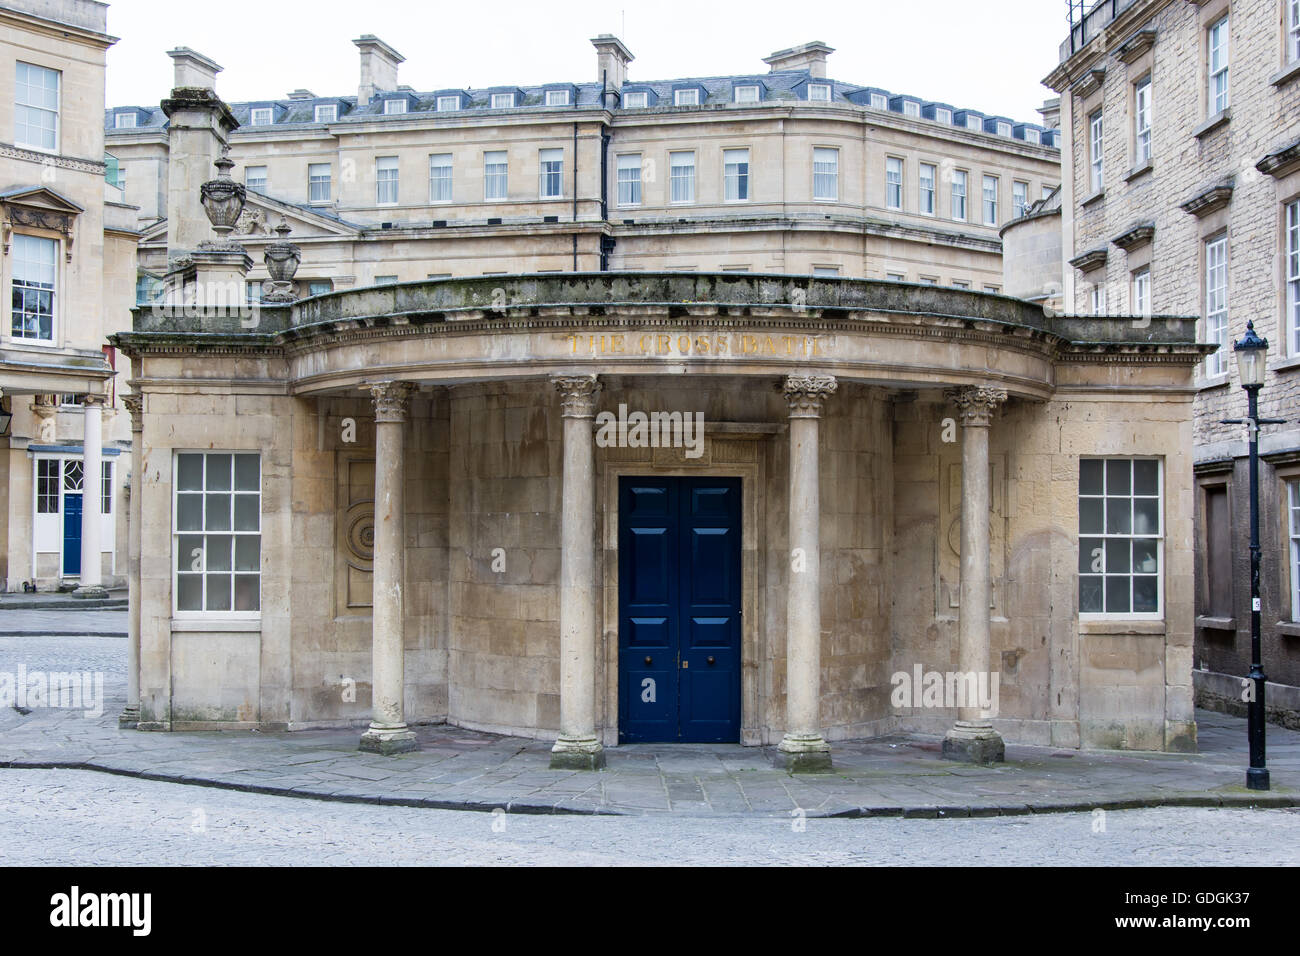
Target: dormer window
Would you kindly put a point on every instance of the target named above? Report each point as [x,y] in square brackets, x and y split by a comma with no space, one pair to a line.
[879,101]
[819,92]
[1033,136]
[124,121]
[975,123]
[503,101]
[327,113]
[746,94]
[1004,129]
[636,100]
[394,106]
[557,97]
[942,115]
[689,97]
[262,116]
[447,104]
[911,109]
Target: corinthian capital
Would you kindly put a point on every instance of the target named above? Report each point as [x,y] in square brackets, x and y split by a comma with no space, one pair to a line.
[577,394]
[392,400]
[94,400]
[806,393]
[976,403]
[135,405]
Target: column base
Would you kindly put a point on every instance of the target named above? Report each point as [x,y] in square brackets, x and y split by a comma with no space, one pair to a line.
[974,742]
[388,740]
[577,753]
[803,753]
[129,719]
[91,592]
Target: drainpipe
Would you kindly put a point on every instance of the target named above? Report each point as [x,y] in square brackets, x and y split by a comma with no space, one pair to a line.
[575,171]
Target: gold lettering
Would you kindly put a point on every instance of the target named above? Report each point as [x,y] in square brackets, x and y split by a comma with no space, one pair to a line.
[769,347]
[684,344]
[644,345]
[573,338]
[702,344]
[748,344]
[789,344]
[663,345]
[617,344]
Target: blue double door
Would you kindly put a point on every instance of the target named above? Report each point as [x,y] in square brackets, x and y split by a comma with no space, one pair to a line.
[679,610]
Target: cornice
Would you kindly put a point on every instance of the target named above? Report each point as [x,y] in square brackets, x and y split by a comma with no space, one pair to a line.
[94,166]
[1282,161]
[1135,236]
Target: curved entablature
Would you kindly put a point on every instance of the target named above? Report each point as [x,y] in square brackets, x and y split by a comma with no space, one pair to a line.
[493,327]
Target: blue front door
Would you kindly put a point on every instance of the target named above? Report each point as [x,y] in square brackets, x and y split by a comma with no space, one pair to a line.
[679,610]
[71,535]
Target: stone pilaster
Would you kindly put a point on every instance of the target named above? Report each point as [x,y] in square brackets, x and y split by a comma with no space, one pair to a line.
[973,738]
[803,748]
[388,732]
[578,748]
[92,466]
[130,716]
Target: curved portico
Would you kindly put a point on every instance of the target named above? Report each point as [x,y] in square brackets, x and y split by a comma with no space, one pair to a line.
[826,404]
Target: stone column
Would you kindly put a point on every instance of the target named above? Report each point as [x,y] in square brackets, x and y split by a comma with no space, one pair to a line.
[130,716]
[803,749]
[388,733]
[578,748]
[973,738]
[92,466]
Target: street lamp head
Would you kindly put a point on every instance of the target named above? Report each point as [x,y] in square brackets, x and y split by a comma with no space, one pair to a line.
[1251,351]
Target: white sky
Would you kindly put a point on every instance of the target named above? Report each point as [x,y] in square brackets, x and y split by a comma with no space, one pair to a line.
[988,56]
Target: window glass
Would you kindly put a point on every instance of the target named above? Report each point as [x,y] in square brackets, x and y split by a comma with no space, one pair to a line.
[927,175]
[36,107]
[386,180]
[34,271]
[1120,536]
[495,173]
[629,179]
[735,174]
[826,175]
[894,182]
[217,533]
[551,165]
[318,182]
[1216,304]
[440,171]
[682,176]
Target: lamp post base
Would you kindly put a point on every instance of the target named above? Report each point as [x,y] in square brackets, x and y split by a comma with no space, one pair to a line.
[1257,779]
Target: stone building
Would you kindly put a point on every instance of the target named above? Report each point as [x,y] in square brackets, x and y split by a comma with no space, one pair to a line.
[613,506]
[784,171]
[1181,194]
[67,272]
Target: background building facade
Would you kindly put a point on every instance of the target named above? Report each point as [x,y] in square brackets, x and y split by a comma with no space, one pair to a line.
[1181,193]
[67,274]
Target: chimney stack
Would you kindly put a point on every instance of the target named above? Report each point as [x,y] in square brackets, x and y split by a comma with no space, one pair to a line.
[612,58]
[806,56]
[192,70]
[379,63]
[1050,111]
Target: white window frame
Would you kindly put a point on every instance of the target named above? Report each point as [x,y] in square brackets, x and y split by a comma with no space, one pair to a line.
[826,174]
[387,181]
[177,535]
[911,108]
[1097,299]
[557,97]
[1291,227]
[689,97]
[124,120]
[57,111]
[1096,151]
[1141,295]
[681,185]
[1033,136]
[826,272]
[879,101]
[1131,535]
[993,289]
[748,93]
[18,240]
[1004,129]
[943,115]
[394,105]
[496,175]
[927,195]
[962,177]
[990,205]
[1293,536]
[960,284]
[895,277]
[627,175]
[737,182]
[314,180]
[1218,60]
[436,180]
[261,116]
[975,123]
[1216,304]
[819,92]
[251,182]
[503,101]
[326,113]
[1142,122]
[1293,31]
[1019,197]
[546,177]
[893,182]
[448,103]
[636,100]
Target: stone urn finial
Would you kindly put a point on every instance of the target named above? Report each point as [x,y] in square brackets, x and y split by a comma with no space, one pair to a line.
[223,198]
[282,258]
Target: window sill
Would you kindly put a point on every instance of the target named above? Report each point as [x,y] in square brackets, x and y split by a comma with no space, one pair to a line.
[217,625]
[1218,381]
[1287,365]
[1216,623]
[1137,172]
[1288,628]
[1121,626]
[1286,74]
[1222,118]
[1094,197]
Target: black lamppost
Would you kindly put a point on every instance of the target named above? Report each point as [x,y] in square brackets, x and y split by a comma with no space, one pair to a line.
[1251,352]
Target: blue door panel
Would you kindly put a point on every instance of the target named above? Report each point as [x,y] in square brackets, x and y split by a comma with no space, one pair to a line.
[71,534]
[679,609]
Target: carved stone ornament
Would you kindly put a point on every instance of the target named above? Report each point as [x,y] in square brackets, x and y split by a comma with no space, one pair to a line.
[577,394]
[807,393]
[392,400]
[223,199]
[135,406]
[282,259]
[976,403]
[252,222]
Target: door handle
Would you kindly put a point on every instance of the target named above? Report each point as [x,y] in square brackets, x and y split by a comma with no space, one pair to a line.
[711,661]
